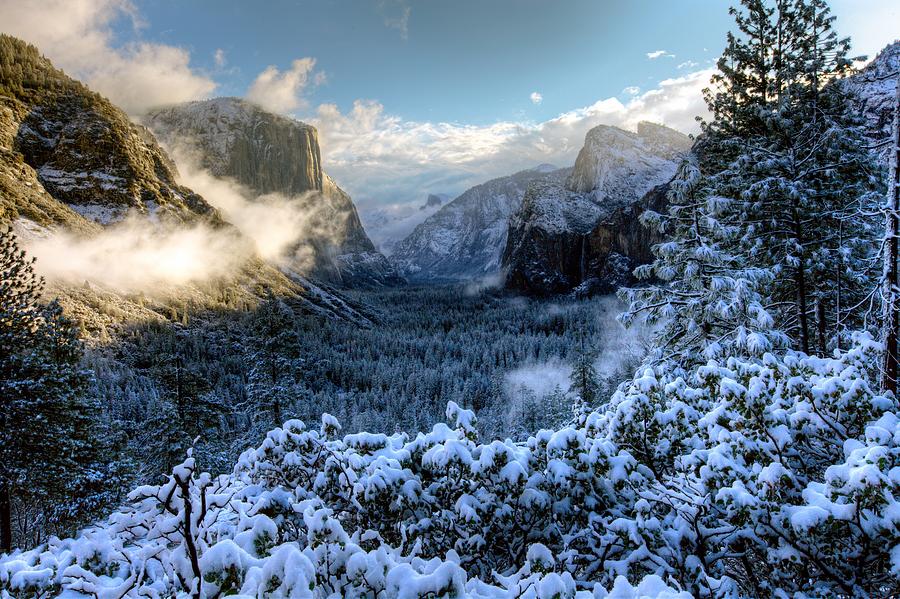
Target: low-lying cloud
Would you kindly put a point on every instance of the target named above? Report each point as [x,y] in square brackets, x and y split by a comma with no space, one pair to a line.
[287,230]
[152,255]
[135,256]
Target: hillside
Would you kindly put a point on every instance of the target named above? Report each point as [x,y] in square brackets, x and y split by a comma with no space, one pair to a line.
[585,231]
[267,153]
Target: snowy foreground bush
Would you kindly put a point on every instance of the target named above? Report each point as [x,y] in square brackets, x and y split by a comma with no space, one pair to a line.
[774,476]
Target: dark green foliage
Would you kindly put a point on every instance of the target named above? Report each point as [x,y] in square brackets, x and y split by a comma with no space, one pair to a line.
[781,210]
[55,462]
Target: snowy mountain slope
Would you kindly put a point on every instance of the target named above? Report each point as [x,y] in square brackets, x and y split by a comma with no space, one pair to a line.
[268,153]
[874,87]
[586,230]
[67,151]
[73,166]
[465,238]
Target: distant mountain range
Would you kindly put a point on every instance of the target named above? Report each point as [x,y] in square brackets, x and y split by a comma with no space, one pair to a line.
[70,159]
[466,237]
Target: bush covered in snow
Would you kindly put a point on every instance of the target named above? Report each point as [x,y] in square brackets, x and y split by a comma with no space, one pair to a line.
[773,476]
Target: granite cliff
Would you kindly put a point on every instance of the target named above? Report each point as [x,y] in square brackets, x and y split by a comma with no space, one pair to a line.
[268,153]
[584,233]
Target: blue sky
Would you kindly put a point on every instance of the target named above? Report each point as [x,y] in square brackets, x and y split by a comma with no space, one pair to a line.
[414,96]
[464,61]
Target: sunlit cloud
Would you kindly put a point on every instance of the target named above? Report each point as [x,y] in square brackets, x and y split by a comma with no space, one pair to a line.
[659,54]
[383,159]
[77,35]
[282,91]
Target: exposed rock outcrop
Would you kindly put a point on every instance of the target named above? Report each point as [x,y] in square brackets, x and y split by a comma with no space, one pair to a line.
[268,153]
[78,149]
[874,91]
[586,232]
[72,161]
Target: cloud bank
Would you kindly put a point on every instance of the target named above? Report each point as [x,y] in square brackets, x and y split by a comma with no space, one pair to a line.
[77,36]
[382,159]
[133,257]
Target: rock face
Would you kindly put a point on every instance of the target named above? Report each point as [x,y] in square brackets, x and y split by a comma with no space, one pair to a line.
[68,151]
[72,161]
[434,200]
[465,238]
[268,153]
[584,233]
[874,89]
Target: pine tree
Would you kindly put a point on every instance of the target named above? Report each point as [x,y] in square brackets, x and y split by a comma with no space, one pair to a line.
[49,425]
[273,387]
[583,380]
[788,183]
[704,300]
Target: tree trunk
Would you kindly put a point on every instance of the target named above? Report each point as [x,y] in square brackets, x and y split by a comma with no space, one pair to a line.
[890,308]
[800,282]
[822,326]
[5,519]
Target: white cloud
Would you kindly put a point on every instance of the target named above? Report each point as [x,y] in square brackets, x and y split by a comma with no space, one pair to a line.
[536,97]
[219,57]
[282,91]
[659,54]
[395,14]
[632,90]
[77,36]
[383,159]
[687,64]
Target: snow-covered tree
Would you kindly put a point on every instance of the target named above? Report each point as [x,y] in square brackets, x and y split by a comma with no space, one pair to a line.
[273,390]
[702,295]
[55,461]
[741,477]
[786,150]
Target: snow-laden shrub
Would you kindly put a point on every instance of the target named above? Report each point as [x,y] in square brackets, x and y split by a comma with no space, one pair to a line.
[772,476]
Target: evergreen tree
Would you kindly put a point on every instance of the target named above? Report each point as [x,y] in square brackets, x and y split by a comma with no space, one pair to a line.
[584,381]
[770,238]
[788,152]
[186,410]
[273,388]
[53,452]
[704,300]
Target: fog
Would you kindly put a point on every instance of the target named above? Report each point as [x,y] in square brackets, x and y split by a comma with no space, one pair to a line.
[134,255]
[142,253]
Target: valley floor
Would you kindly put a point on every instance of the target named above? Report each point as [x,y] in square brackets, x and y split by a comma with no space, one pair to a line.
[226,379]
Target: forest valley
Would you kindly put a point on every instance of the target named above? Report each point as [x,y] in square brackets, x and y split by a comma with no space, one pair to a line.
[740,437]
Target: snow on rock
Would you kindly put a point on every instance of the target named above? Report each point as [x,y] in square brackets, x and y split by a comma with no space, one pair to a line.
[584,233]
[874,89]
[466,237]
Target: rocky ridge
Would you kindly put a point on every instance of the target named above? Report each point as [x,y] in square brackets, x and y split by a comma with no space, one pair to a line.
[72,161]
[466,237]
[585,232]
